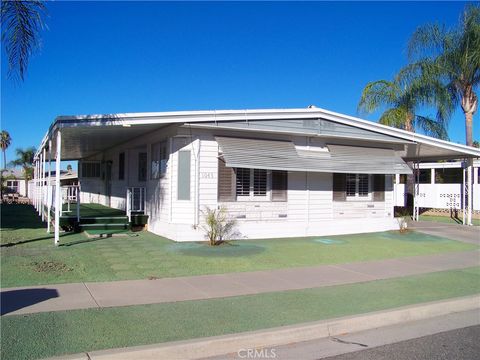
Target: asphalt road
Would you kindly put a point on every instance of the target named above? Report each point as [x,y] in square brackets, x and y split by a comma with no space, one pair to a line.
[453,336]
[459,344]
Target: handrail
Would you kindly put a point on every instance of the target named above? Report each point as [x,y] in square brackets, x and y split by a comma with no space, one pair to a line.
[136,198]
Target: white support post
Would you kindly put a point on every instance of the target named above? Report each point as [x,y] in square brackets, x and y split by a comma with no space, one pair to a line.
[58,194]
[34,190]
[38,185]
[469,194]
[43,185]
[432,176]
[129,205]
[414,191]
[49,186]
[78,203]
[463,197]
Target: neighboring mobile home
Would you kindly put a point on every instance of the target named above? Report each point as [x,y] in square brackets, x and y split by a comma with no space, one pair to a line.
[280,173]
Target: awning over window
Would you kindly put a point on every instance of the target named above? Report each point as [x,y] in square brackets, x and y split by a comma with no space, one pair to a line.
[282,155]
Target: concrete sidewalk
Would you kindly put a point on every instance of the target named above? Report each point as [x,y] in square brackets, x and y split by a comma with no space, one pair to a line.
[33,299]
[467,234]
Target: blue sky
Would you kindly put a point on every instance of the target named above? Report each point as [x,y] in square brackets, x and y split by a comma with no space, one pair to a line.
[113,57]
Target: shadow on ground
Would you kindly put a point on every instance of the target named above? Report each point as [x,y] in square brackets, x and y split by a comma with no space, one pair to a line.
[14,300]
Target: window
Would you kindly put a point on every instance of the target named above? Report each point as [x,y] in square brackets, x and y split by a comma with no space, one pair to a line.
[259,182]
[159,160]
[251,184]
[90,169]
[183,185]
[357,185]
[243,182]
[424,176]
[142,166]
[12,185]
[449,176]
[121,166]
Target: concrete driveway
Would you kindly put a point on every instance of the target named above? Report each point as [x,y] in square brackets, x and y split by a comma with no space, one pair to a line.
[467,234]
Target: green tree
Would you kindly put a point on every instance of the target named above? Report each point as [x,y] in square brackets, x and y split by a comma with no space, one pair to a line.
[5,141]
[400,101]
[449,58]
[21,23]
[25,160]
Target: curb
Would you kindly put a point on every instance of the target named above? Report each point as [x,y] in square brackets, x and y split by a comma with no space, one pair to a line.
[226,344]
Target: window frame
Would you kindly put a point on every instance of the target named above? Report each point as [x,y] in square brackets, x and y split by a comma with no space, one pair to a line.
[94,165]
[357,196]
[251,190]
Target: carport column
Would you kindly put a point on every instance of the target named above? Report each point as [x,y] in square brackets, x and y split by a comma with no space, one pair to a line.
[37,183]
[58,193]
[415,190]
[42,203]
[463,194]
[469,193]
[49,186]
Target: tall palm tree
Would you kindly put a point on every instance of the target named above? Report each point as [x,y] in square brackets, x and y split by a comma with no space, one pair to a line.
[21,23]
[450,58]
[5,141]
[401,101]
[25,160]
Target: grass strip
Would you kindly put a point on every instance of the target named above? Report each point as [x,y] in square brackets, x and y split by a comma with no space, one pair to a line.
[58,333]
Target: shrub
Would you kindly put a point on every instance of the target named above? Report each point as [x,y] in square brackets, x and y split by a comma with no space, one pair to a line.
[218,225]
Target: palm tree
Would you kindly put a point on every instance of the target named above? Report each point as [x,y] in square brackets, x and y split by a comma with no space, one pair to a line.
[401,101]
[25,160]
[450,58]
[5,141]
[21,24]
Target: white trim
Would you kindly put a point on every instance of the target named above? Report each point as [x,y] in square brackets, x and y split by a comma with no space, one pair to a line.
[175,117]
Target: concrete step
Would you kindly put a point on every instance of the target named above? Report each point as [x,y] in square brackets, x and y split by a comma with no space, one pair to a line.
[100,226]
[104,220]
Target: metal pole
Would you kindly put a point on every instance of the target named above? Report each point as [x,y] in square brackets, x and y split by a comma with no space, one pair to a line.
[78,203]
[463,196]
[43,185]
[469,194]
[38,184]
[58,195]
[49,188]
[415,173]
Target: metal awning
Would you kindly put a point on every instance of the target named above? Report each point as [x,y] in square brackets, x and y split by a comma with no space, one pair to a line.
[282,155]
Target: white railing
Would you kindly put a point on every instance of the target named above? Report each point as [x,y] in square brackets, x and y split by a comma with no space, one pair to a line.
[135,200]
[438,196]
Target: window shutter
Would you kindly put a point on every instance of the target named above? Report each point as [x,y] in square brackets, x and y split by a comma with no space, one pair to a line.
[226,182]
[339,187]
[279,185]
[379,187]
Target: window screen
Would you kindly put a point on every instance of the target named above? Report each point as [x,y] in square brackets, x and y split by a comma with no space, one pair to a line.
[259,182]
[243,182]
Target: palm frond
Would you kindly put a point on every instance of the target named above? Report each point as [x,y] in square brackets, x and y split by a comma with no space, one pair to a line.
[21,23]
[426,40]
[376,94]
[432,127]
[395,117]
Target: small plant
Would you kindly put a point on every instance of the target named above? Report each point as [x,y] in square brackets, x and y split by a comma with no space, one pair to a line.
[402,222]
[218,225]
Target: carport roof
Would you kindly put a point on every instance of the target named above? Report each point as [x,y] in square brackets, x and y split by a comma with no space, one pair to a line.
[85,135]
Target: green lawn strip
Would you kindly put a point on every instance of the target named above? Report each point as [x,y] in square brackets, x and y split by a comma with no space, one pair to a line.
[57,333]
[446,219]
[143,254]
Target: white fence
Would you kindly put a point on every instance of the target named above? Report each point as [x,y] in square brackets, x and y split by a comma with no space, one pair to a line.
[438,196]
